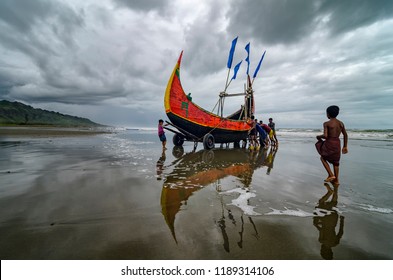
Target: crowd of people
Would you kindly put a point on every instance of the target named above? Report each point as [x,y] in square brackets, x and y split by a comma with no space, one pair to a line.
[262,135]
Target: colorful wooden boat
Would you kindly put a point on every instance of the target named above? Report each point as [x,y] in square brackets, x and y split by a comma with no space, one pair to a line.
[196,124]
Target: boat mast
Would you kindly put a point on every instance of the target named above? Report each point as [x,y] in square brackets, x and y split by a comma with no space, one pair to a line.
[247,93]
[220,110]
[248,107]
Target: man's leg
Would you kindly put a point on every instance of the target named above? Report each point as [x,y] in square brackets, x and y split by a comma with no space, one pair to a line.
[336,172]
[331,176]
[275,138]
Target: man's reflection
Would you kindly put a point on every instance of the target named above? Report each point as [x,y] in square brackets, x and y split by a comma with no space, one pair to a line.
[326,222]
[270,159]
[160,165]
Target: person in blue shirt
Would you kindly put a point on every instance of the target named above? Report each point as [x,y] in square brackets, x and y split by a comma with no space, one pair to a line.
[262,134]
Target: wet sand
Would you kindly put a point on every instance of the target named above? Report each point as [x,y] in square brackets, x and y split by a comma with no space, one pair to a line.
[117,196]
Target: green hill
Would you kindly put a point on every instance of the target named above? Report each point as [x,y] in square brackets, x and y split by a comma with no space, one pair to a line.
[16,113]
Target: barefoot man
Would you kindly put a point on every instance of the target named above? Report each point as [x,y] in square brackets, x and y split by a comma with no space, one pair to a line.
[329,146]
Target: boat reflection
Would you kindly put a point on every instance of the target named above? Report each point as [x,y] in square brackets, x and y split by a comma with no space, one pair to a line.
[193,171]
[222,225]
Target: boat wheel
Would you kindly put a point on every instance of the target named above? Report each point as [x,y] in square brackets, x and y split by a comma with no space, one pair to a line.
[208,156]
[177,151]
[178,140]
[208,141]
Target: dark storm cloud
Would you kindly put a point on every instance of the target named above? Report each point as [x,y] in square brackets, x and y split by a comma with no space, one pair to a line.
[286,22]
[143,5]
[347,15]
[271,21]
[22,14]
[63,66]
[206,44]
[37,31]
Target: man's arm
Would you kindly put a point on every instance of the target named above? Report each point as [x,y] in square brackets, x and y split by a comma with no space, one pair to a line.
[345,148]
[325,132]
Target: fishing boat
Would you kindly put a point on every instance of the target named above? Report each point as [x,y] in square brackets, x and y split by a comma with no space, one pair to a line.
[190,122]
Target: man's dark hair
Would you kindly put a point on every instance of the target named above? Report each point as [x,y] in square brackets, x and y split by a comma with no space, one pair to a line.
[333,111]
[160,121]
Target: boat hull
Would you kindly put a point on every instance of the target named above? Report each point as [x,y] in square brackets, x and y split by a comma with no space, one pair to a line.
[220,135]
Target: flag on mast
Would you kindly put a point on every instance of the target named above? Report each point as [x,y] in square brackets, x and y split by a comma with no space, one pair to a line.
[259,65]
[236,69]
[230,58]
[248,57]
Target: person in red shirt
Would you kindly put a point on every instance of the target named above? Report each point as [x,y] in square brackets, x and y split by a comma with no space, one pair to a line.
[268,131]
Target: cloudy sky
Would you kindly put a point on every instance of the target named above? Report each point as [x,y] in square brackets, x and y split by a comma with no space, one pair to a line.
[110,60]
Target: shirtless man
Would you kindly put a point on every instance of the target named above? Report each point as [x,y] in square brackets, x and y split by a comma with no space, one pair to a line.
[273,137]
[330,148]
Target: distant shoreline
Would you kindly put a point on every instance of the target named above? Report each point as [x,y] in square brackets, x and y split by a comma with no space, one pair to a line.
[51,131]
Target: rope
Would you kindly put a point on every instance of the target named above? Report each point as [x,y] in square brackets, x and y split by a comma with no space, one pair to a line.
[211,130]
[201,138]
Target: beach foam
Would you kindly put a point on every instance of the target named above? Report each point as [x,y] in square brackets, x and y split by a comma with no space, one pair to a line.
[320,212]
[288,212]
[242,201]
[376,209]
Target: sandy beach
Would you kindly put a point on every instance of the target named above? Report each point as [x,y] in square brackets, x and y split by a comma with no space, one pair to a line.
[49,131]
[118,196]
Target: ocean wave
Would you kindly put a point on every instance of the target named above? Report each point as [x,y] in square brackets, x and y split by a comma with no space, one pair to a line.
[367,134]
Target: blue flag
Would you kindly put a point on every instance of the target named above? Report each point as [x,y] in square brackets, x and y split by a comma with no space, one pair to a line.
[259,65]
[230,58]
[248,57]
[236,69]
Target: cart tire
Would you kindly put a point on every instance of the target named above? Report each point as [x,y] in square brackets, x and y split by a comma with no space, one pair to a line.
[178,151]
[208,156]
[208,141]
[178,140]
